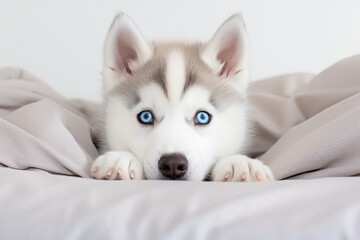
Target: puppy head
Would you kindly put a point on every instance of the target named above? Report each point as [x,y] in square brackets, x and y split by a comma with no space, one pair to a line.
[177,107]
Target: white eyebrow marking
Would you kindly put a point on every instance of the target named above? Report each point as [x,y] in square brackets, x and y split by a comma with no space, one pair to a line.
[175,74]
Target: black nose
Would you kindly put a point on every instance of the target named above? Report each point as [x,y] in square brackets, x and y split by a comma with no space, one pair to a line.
[173,165]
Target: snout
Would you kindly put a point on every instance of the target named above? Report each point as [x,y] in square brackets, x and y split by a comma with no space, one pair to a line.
[173,166]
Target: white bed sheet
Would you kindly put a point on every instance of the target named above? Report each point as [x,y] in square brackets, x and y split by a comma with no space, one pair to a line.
[39,205]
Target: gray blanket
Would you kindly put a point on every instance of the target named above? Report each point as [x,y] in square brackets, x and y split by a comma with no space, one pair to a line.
[306,126]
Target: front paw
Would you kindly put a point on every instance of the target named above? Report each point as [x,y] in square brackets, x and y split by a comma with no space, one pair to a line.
[117,166]
[240,168]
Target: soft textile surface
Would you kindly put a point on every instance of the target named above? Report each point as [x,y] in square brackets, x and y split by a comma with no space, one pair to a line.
[41,129]
[305,126]
[309,126]
[42,206]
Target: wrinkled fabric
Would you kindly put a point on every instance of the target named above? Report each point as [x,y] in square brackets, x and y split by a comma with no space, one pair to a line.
[308,126]
[41,129]
[304,126]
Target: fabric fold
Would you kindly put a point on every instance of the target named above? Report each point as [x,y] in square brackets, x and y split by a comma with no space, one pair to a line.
[304,125]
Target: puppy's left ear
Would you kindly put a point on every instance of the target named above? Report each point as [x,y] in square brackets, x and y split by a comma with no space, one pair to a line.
[227,52]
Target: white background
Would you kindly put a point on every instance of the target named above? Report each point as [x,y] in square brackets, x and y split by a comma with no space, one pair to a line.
[61,41]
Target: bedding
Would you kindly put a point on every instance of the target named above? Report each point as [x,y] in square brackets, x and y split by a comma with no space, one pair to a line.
[306,127]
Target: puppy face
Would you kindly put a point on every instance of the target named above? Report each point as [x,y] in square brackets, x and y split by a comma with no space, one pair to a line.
[174,102]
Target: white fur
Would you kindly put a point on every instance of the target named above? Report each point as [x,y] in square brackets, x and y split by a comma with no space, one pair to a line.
[241,168]
[175,131]
[175,74]
[123,24]
[231,28]
[135,149]
[117,165]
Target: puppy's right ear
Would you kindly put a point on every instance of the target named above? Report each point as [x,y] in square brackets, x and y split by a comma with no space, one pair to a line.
[125,50]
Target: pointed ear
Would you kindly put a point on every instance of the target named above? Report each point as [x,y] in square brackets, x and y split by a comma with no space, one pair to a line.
[227,52]
[125,49]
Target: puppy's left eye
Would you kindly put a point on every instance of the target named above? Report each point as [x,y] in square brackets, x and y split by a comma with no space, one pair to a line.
[202,118]
[145,117]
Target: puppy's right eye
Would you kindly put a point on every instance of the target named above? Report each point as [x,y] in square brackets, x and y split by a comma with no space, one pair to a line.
[146,117]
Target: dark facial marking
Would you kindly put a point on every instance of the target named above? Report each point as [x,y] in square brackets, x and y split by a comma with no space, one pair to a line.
[189,81]
[127,92]
[159,78]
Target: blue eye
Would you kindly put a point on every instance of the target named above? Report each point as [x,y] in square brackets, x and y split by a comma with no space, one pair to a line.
[145,117]
[202,118]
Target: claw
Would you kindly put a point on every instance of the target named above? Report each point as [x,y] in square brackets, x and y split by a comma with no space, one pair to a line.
[118,174]
[269,178]
[243,177]
[258,176]
[132,174]
[109,173]
[227,176]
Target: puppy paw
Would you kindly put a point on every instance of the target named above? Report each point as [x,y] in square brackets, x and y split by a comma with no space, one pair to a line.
[240,168]
[117,166]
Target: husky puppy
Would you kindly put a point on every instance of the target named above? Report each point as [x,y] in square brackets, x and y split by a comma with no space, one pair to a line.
[176,110]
